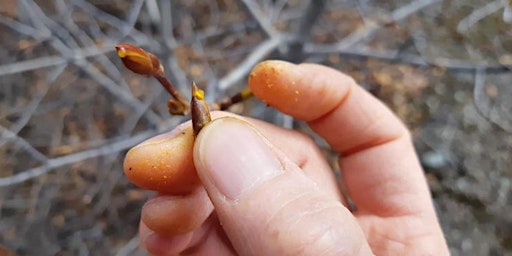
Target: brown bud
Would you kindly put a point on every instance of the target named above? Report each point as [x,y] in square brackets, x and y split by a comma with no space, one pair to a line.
[176,107]
[138,60]
[199,110]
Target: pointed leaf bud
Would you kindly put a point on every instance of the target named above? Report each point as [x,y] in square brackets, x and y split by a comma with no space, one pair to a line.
[138,60]
[199,110]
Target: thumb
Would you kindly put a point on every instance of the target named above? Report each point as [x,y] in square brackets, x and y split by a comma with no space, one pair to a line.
[264,202]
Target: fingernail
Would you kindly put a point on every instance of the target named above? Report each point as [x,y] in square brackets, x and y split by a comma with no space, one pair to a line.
[235,156]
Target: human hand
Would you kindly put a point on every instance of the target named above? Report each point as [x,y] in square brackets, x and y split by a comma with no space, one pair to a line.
[268,191]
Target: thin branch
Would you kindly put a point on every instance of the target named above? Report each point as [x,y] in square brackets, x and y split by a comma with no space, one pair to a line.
[111,86]
[395,56]
[43,62]
[178,76]
[124,27]
[22,143]
[34,14]
[167,26]
[102,79]
[43,23]
[507,12]
[259,53]
[98,76]
[29,111]
[411,8]
[84,39]
[303,33]
[132,16]
[478,91]
[153,11]
[479,14]
[264,21]
[371,27]
[129,247]
[478,97]
[24,29]
[109,148]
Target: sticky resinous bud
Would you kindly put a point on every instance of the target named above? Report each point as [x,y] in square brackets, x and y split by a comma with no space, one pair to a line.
[138,60]
[199,110]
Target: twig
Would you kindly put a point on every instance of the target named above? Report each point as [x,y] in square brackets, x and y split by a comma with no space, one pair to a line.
[260,52]
[34,14]
[85,39]
[507,12]
[105,188]
[45,24]
[24,29]
[93,72]
[264,21]
[133,119]
[153,11]
[371,27]
[133,14]
[129,247]
[230,101]
[394,56]
[177,73]
[478,95]
[111,86]
[102,79]
[43,62]
[126,29]
[167,25]
[31,108]
[478,91]
[10,136]
[479,14]
[303,33]
[170,88]
[61,47]
[411,8]
[109,148]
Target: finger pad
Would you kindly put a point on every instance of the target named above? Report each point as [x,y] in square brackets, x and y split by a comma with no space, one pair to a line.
[164,166]
[305,93]
[177,215]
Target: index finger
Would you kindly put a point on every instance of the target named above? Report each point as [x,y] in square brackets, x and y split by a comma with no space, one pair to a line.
[378,161]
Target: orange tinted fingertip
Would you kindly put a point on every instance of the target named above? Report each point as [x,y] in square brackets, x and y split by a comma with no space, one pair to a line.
[163,164]
[303,91]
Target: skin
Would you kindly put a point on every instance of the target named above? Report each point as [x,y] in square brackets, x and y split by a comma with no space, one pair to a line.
[298,209]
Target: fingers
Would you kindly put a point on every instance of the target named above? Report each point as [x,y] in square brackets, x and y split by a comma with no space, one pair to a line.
[170,215]
[378,161]
[344,114]
[265,202]
[204,240]
[164,163]
[163,245]
[174,215]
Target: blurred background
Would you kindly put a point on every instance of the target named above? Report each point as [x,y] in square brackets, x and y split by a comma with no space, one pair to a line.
[69,110]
